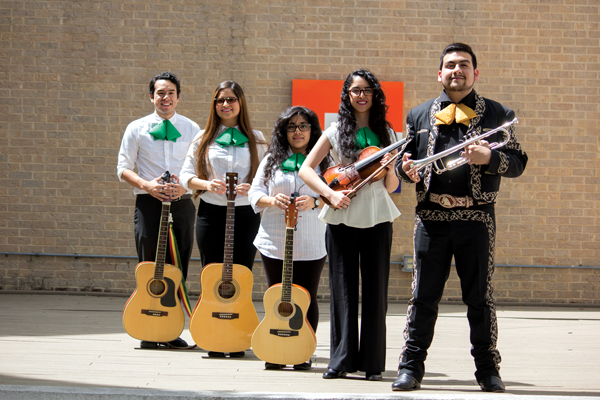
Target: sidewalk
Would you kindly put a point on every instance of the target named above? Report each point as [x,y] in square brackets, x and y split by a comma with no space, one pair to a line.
[74,347]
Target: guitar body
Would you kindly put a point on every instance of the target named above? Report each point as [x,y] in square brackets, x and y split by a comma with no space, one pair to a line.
[153,311]
[224,318]
[285,336]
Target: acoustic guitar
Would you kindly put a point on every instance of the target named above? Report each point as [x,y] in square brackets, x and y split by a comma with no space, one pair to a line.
[225,318]
[153,311]
[285,336]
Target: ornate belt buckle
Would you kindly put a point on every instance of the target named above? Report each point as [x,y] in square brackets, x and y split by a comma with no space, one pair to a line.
[447,201]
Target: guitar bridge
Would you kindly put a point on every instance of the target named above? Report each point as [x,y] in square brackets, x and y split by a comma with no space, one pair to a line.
[155,313]
[220,315]
[283,333]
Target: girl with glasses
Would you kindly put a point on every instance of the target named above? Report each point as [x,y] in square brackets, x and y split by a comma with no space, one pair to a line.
[295,133]
[227,144]
[358,232]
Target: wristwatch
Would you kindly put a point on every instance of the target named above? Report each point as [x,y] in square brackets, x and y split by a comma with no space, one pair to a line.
[317,202]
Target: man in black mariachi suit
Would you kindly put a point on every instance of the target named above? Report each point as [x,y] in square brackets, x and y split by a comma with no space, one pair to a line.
[455,215]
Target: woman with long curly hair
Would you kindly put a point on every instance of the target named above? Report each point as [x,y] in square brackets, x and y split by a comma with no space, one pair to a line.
[359,231]
[227,144]
[295,133]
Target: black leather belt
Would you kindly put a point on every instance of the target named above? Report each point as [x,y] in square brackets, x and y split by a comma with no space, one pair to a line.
[185,196]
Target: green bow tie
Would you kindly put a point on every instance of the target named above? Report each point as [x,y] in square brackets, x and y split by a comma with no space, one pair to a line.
[165,131]
[231,137]
[366,137]
[293,163]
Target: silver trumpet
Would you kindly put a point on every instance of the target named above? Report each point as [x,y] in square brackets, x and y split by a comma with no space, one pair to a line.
[436,159]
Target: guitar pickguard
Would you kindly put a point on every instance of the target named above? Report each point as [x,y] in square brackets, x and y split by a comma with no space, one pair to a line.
[170,298]
[297,319]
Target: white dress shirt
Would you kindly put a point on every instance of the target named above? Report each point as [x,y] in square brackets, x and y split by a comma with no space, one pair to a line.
[309,237]
[223,160]
[154,157]
[372,204]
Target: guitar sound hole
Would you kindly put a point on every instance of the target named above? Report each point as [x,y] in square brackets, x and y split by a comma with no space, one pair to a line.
[226,290]
[285,309]
[157,287]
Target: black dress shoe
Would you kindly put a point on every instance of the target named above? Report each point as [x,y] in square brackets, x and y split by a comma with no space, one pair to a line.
[148,345]
[405,381]
[334,374]
[492,384]
[179,343]
[237,354]
[271,366]
[305,366]
[216,354]
[373,376]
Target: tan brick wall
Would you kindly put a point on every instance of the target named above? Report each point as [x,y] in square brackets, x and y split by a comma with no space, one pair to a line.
[74,73]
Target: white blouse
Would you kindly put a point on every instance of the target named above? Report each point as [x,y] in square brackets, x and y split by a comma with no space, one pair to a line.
[309,237]
[223,160]
[372,204]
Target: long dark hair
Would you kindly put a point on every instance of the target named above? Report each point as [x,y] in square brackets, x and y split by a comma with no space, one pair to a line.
[278,148]
[377,115]
[203,168]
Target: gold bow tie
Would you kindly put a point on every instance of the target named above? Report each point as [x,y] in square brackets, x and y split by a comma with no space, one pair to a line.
[460,112]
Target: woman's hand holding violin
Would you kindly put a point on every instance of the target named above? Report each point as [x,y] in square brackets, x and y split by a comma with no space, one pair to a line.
[386,158]
[338,199]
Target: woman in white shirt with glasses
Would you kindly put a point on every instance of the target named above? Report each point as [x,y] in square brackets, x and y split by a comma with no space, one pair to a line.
[295,133]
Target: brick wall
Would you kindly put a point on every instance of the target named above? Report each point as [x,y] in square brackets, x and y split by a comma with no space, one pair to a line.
[74,73]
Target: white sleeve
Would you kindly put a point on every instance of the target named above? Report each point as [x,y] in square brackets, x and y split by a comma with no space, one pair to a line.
[188,170]
[258,188]
[128,153]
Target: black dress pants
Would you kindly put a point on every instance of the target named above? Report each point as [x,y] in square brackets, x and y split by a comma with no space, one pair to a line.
[469,236]
[210,234]
[146,218]
[353,251]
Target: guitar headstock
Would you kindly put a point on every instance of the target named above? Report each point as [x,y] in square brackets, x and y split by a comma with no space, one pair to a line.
[165,178]
[231,180]
[291,213]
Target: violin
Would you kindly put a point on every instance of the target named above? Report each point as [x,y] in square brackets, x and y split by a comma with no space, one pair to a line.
[347,177]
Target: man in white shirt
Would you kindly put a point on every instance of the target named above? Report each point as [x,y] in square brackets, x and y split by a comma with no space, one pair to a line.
[157,143]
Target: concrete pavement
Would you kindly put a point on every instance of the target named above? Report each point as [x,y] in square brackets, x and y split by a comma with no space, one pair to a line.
[55,346]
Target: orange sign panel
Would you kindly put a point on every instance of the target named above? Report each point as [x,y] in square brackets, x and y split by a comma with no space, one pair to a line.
[323,97]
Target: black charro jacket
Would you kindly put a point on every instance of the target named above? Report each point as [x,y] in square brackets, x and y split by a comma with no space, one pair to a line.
[484,180]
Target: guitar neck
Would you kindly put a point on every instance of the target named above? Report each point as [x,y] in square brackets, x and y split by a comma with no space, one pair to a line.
[163,234]
[373,157]
[229,229]
[288,266]
[231,183]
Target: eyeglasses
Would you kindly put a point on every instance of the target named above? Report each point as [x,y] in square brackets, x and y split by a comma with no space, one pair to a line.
[229,100]
[368,91]
[303,127]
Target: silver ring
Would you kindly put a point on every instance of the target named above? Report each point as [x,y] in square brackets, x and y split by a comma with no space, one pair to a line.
[215,189]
